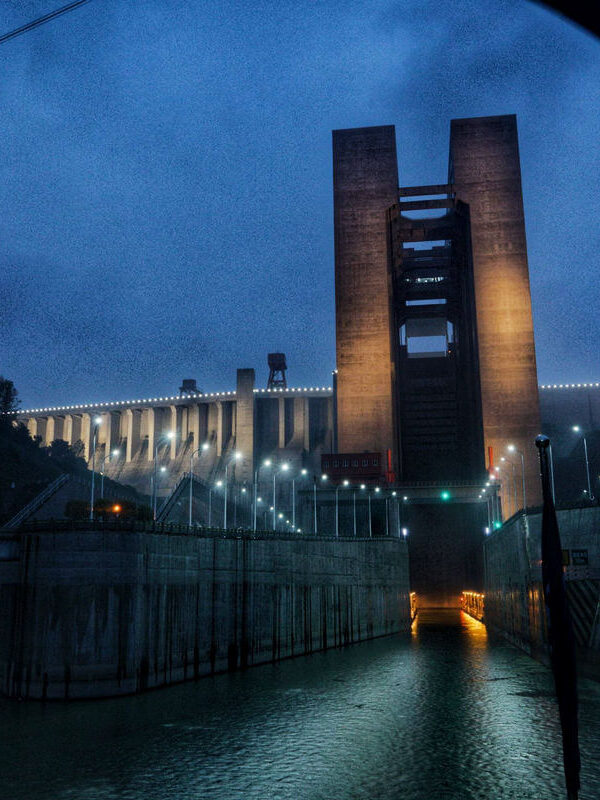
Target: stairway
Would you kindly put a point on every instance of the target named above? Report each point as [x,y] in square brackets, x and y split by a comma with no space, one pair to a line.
[37,502]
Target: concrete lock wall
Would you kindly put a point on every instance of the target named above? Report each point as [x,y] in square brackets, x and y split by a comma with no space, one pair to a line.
[102,613]
[514,601]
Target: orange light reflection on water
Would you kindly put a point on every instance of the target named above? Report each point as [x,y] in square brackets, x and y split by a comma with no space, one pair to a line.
[433,618]
[476,631]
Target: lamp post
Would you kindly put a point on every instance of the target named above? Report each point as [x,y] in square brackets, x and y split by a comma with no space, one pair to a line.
[514,479]
[387,516]
[512,449]
[337,510]
[323,479]
[197,450]
[503,492]
[395,496]
[234,458]
[154,484]
[515,501]
[492,501]
[496,504]
[258,502]
[218,485]
[114,453]
[577,429]
[243,491]
[170,435]
[284,468]
[96,422]
[487,506]
[266,463]
[363,487]
[303,474]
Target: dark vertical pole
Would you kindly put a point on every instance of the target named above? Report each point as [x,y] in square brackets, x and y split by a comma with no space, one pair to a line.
[560,631]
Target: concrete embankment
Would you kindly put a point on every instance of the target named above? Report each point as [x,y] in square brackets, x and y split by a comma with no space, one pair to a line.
[117,610]
[514,601]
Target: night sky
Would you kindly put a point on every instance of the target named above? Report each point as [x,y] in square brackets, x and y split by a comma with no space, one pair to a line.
[165,189]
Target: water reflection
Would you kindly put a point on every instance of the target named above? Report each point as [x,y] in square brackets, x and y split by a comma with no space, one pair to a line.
[444,713]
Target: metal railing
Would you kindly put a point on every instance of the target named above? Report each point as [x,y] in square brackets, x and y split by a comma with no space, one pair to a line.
[168,502]
[170,498]
[37,502]
[170,528]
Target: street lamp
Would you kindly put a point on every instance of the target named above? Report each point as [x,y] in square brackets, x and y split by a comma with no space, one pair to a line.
[235,457]
[512,449]
[395,496]
[337,511]
[363,487]
[377,490]
[266,463]
[303,474]
[514,504]
[258,502]
[577,429]
[210,489]
[104,456]
[96,422]
[284,468]
[154,484]
[487,504]
[218,485]
[243,491]
[200,449]
[154,481]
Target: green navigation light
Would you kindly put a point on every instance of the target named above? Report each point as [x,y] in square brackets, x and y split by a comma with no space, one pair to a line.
[497,525]
[445,495]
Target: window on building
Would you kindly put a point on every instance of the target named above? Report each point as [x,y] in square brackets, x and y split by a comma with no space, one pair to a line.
[365,462]
[375,462]
[426,337]
[345,462]
[336,463]
[355,462]
[432,301]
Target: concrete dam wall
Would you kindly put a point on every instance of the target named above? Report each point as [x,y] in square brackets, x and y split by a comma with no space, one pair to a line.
[514,600]
[102,612]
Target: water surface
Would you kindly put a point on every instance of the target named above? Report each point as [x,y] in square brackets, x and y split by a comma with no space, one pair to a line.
[442,714]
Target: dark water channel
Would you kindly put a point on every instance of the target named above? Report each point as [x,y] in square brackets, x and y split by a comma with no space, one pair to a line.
[442,714]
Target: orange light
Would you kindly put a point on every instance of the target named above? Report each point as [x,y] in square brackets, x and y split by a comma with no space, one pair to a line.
[116,508]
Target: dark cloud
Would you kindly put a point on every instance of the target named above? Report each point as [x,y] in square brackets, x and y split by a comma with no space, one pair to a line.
[165,177]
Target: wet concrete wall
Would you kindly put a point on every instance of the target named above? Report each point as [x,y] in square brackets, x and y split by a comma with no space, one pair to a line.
[514,602]
[102,613]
